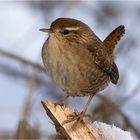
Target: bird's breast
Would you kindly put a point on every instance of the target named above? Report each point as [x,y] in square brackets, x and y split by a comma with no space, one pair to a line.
[74,71]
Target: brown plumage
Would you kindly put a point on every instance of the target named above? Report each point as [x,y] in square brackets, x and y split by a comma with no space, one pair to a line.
[77,60]
[113,38]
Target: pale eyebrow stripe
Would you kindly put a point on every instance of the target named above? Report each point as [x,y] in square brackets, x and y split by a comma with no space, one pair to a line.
[72,28]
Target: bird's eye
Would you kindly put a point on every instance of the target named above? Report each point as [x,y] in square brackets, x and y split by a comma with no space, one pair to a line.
[66,32]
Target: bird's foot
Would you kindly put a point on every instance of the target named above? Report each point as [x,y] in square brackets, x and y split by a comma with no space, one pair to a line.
[60,103]
[74,117]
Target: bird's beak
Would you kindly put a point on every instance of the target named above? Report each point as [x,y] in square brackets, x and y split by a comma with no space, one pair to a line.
[45,30]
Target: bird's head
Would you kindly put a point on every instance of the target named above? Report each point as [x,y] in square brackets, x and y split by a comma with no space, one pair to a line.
[69,30]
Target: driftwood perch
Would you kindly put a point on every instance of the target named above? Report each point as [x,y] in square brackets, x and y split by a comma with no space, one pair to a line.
[85,130]
[58,115]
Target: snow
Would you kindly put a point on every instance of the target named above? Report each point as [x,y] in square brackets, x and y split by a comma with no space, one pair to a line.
[107,132]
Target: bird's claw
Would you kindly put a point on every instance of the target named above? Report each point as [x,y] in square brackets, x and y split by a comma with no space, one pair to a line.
[73,117]
[61,104]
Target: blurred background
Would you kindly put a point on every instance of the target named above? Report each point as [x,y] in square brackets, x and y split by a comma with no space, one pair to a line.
[24,83]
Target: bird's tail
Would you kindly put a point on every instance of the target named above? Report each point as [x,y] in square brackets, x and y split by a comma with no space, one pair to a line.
[113,38]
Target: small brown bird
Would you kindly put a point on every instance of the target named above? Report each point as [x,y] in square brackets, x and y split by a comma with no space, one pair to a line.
[78,61]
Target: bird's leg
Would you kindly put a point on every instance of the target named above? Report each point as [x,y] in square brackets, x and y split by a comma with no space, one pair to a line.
[78,116]
[64,101]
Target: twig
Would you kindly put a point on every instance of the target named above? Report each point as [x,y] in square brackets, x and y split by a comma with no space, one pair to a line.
[126,119]
[130,96]
[22,60]
[27,104]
